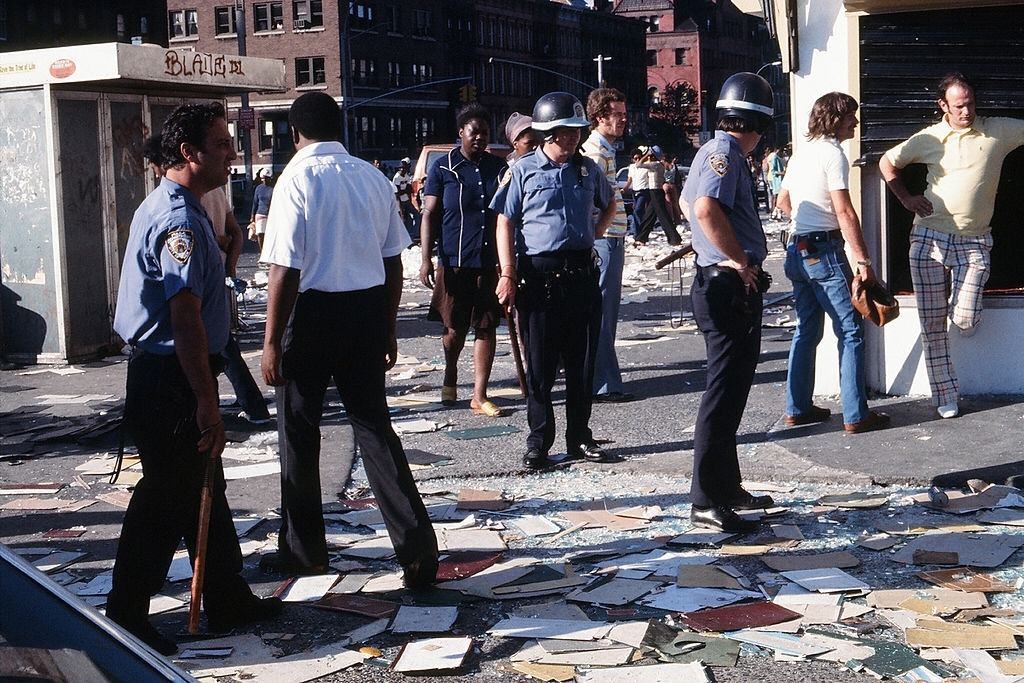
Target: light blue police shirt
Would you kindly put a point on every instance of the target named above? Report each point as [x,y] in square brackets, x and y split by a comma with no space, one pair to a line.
[552,205]
[171,247]
[720,170]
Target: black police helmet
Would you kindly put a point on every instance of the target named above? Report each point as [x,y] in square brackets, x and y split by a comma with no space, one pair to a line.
[749,97]
[559,110]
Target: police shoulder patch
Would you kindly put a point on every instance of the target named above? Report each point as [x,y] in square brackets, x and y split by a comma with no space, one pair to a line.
[179,244]
[719,163]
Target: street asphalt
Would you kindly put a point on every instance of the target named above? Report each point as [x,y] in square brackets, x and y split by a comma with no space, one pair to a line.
[663,365]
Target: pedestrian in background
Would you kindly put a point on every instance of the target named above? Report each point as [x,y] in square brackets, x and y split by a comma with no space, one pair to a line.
[546,231]
[727,297]
[334,242]
[457,216]
[816,194]
[172,310]
[656,210]
[402,182]
[606,110]
[262,195]
[521,137]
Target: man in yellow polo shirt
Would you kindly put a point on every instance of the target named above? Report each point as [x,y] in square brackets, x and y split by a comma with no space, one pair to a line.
[952,236]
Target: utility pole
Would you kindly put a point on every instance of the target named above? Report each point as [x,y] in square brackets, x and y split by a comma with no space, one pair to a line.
[245,119]
[601,59]
[345,52]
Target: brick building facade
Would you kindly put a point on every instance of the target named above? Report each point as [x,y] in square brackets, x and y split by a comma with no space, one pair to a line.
[32,24]
[395,44]
[702,42]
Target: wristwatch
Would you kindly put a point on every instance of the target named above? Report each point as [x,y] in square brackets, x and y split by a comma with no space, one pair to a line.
[866,262]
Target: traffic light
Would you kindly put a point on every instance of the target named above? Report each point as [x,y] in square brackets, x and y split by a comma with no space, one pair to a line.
[467,93]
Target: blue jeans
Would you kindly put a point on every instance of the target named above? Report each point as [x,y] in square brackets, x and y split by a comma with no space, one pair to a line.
[821,284]
[607,377]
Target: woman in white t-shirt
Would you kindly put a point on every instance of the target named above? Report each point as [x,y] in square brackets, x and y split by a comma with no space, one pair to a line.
[815,193]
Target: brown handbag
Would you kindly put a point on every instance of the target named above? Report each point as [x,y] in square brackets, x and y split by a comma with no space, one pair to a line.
[873,301]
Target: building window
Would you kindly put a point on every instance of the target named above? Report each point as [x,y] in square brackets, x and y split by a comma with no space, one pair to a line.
[362,71]
[367,131]
[3,19]
[307,13]
[394,73]
[680,56]
[652,23]
[395,125]
[143,25]
[120,26]
[274,135]
[389,16]
[421,22]
[309,71]
[268,16]
[652,58]
[184,23]
[360,14]
[421,73]
[224,20]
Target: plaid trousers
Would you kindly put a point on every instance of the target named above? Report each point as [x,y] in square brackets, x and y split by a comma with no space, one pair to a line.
[934,257]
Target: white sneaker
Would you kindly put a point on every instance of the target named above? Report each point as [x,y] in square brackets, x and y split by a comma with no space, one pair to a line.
[949,410]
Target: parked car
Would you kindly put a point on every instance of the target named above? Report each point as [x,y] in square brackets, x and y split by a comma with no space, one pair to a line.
[429,154]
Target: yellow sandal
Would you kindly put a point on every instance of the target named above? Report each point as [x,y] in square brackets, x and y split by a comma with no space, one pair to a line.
[487,408]
[449,397]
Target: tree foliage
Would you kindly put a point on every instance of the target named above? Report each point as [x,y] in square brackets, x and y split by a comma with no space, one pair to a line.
[678,108]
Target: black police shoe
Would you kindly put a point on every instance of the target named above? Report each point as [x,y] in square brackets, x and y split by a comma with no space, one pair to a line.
[533,459]
[590,452]
[281,563]
[421,573]
[748,501]
[244,612]
[144,631]
[721,518]
[614,397]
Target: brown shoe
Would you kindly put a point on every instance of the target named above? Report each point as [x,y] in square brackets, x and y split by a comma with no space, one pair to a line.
[869,424]
[815,414]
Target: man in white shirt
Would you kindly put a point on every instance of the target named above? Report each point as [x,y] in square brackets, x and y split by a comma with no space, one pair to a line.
[816,195]
[402,182]
[334,243]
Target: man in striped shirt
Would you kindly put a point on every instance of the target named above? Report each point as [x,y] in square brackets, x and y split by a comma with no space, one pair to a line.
[606,109]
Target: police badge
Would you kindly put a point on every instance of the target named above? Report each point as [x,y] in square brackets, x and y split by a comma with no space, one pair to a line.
[179,245]
[719,163]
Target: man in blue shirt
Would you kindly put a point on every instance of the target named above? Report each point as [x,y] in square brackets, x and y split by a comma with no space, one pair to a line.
[459,189]
[171,308]
[546,231]
[726,296]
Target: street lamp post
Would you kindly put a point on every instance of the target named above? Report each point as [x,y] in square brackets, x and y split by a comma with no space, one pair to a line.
[244,102]
[601,59]
[765,66]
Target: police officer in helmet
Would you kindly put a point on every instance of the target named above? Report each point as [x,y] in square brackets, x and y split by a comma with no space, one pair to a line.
[727,296]
[545,234]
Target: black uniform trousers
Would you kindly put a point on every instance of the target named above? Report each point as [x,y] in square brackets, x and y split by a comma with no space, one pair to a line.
[160,410]
[657,210]
[730,320]
[342,336]
[559,305]
[247,392]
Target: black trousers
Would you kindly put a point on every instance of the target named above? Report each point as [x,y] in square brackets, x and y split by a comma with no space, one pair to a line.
[248,393]
[657,211]
[730,320]
[160,415]
[559,305]
[342,336]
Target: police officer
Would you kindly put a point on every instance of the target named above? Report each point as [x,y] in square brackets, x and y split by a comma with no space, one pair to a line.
[726,296]
[171,308]
[545,233]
